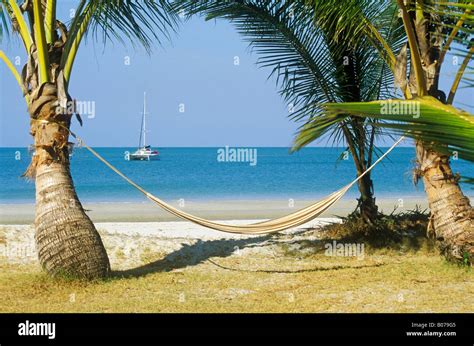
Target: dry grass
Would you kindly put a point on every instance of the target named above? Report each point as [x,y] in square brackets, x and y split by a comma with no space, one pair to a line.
[290,279]
[400,271]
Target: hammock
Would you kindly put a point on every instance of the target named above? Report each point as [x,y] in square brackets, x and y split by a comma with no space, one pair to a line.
[295,219]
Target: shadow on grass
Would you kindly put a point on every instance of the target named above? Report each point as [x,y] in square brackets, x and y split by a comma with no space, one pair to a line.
[372,242]
[403,232]
[194,254]
[297,271]
[202,251]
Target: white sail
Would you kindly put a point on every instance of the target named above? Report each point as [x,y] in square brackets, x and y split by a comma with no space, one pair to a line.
[144,152]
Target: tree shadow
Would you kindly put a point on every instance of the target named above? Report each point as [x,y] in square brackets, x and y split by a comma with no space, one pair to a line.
[297,271]
[194,254]
[202,251]
[403,231]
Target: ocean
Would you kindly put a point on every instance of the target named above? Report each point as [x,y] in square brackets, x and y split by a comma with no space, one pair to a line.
[211,174]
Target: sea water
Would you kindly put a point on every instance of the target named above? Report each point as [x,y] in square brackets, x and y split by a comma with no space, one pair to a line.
[201,174]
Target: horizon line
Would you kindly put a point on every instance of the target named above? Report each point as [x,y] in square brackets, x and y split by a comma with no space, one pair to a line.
[213,147]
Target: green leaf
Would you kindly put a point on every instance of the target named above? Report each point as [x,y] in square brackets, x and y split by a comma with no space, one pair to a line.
[141,22]
[307,47]
[448,128]
[4,31]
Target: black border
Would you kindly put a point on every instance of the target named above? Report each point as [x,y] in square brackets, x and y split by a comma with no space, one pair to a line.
[191,329]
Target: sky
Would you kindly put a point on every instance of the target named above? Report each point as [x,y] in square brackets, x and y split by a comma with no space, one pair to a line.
[203,90]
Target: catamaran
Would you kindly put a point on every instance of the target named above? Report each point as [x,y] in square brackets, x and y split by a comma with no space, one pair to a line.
[144,151]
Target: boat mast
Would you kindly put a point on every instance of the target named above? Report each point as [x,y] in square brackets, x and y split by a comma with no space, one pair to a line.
[144,119]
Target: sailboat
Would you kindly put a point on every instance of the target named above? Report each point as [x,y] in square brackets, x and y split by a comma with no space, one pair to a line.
[144,151]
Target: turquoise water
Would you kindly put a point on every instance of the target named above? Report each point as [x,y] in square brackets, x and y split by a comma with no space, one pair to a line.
[195,173]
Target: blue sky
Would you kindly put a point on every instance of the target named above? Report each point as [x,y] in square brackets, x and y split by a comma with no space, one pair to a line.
[224,103]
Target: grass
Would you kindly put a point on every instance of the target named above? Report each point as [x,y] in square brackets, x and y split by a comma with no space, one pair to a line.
[401,271]
[288,279]
[419,283]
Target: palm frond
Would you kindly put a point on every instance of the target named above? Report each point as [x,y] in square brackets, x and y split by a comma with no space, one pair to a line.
[4,27]
[50,20]
[451,28]
[40,41]
[301,44]
[316,128]
[284,37]
[141,22]
[12,17]
[426,118]
[459,75]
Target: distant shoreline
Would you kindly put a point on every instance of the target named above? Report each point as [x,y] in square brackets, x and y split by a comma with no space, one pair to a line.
[146,211]
[138,198]
[220,146]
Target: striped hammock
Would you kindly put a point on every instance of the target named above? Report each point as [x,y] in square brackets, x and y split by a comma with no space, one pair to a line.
[295,219]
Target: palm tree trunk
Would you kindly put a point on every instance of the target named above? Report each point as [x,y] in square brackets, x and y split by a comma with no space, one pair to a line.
[451,220]
[368,208]
[451,212]
[66,239]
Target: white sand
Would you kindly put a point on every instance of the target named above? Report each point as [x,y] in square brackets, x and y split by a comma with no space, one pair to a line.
[147,211]
[139,233]
[132,243]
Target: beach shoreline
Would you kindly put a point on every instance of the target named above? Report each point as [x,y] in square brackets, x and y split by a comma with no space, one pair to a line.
[147,211]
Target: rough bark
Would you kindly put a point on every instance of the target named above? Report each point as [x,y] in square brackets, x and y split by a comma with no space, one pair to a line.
[451,220]
[451,212]
[66,239]
[367,206]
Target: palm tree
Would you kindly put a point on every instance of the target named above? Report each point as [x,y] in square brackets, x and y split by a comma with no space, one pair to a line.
[432,27]
[312,69]
[67,241]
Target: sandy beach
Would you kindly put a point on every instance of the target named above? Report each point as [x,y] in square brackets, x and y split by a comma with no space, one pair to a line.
[179,267]
[163,265]
[147,211]
[128,243]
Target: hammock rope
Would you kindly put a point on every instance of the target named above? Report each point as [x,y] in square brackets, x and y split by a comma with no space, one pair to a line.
[295,219]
